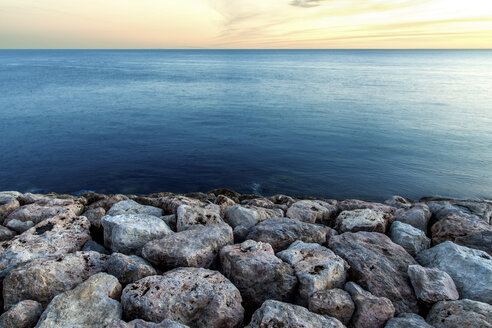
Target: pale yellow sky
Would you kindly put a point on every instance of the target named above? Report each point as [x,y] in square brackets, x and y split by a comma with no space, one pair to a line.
[246,24]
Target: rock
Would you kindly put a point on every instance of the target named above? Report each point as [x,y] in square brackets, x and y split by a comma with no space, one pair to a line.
[312,211]
[432,285]
[8,204]
[170,221]
[316,267]
[138,323]
[132,207]
[107,202]
[410,238]
[370,311]
[94,216]
[188,216]
[53,237]
[281,232]
[278,314]
[264,203]
[363,220]
[92,304]
[355,204]
[224,202]
[193,296]
[266,213]
[238,215]
[399,202]
[29,198]
[196,247]
[463,231]
[460,314]
[19,226]
[170,204]
[258,274]
[6,234]
[335,303]
[94,247]
[42,279]
[417,216]
[282,200]
[128,233]
[11,193]
[407,320]
[22,315]
[470,269]
[129,269]
[474,210]
[225,192]
[378,265]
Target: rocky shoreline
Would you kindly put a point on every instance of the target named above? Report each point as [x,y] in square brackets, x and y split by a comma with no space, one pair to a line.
[225,260]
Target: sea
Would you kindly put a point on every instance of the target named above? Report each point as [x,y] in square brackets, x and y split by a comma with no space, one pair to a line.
[364,124]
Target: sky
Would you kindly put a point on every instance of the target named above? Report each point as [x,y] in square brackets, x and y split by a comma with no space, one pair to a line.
[230,24]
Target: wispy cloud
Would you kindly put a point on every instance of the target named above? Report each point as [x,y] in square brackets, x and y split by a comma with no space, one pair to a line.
[306,3]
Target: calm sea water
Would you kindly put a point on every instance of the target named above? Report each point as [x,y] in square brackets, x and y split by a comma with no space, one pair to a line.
[366,124]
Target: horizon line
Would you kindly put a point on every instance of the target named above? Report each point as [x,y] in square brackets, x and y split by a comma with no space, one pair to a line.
[228,49]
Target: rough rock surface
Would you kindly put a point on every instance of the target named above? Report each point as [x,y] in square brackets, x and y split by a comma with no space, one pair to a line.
[19,226]
[432,285]
[407,320]
[370,311]
[6,234]
[94,216]
[92,304]
[197,247]
[281,232]
[107,202]
[224,202]
[129,269]
[132,207]
[418,216]
[378,265]
[460,314]
[355,204]
[311,211]
[138,323]
[188,216]
[278,314]
[410,238]
[316,267]
[8,203]
[92,246]
[238,215]
[479,210]
[258,274]
[193,296]
[170,204]
[335,303]
[43,210]
[22,315]
[363,220]
[470,269]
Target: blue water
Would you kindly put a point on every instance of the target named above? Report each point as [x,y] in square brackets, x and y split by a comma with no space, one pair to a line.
[340,124]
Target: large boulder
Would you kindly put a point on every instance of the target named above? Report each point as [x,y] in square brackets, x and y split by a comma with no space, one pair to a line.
[378,265]
[132,207]
[258,274]
[198,246]
[196,297]
[432,285]
[316,267]
[418,216]
[22,315]
[138,323]
[472,209]
[43,210]
[130,268]
[407,320]
[128,233]
[52,237]
[410,238]
[281,232]
[313,211]
[238,215]
[188,216]
[335,303]
[460,314]
[92,304]
[470,269]
[363,220]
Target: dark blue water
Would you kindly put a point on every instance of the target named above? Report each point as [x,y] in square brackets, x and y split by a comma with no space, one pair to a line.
[366,124]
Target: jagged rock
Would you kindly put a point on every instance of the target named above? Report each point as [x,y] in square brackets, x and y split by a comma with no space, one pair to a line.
[460,314]
[475,210]
[193,296]
[94,216]
[42,279]
[128,233]
[258,274]
[42,210]
[29,198]
[316,267]
[198,246]
[399,202]
[225,192]
[335,303]
[266,213]
[92,304]
[378,265]
[8,204]
[107,202]
[432,285]
[463,231]
[6,234]
[240,233]
[94,247]
[52,237]
[19,226]
[471,269]
[363,220]
[132,207]
[138,323]
[278,314]
[284,200]
[418,216]
[407,320]
[264,203]
[224,202]
[129,269]
[370,311]
[238,215]
[312,211]
[170,204]
[24,314]
[355,204]
[170,221]
[188,216]
[410,238]
[281,232]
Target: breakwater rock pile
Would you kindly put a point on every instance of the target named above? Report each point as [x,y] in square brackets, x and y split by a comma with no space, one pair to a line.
[225,260]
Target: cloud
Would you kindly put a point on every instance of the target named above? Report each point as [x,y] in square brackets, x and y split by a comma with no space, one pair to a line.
[306,3]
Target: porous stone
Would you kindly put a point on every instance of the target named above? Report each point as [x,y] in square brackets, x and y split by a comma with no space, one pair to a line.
[432,285]
[363,220]
[407,320]
[138,323]
[132,207]
[42,210]
[196,297]
[6,234]
[107,202]
[460,314]
[129,269]
[188,216]
[410,238]
[24,314]
[418,216]
[335,303]
[355,204]
[313,211]
[170,204]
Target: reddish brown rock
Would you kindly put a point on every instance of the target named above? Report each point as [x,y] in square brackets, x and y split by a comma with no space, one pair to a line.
[22,315]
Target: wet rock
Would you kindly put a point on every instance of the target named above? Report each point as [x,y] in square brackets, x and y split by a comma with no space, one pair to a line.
[432,285]
[312,211]
[378,265]
[8,204]
[94,247]
[6,234]
[107,202]
[19,226]
[129,269]
[418,216]
[42,279]
[224,202]
[22,315]
[198,246]
[407,320]
[188,216]
[42,210]
[370,311]
[363,220]
[460,314]
[355,204]
[335,303]
[278,314]
[92,304]
[138,323]
[316,267]
[470,269]
[193,296]
[258,274]
[410,238]
[128,233]
[52,237]
[281,232]
[132,207]
[94,216]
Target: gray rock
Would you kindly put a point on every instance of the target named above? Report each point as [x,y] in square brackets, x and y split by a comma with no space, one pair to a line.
[94,216]
[313,211]
[238,215]
[188,216]
[19,226]
[335,303]
[138,323]
[129,269]
[470,269]
[460,314]
[8,204]
[224,202]
[132,207]
[22,315]
[355,204]
[407,320]
[170,204]
[92,304]
[282,200]
[418,216]
[92,246]
[410,238]
[107,202]
[363,220]
[258,274]
[170,221]
[193,296]
[42,210]
[6,234]
[399,202]
[475,210]
[432,285]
